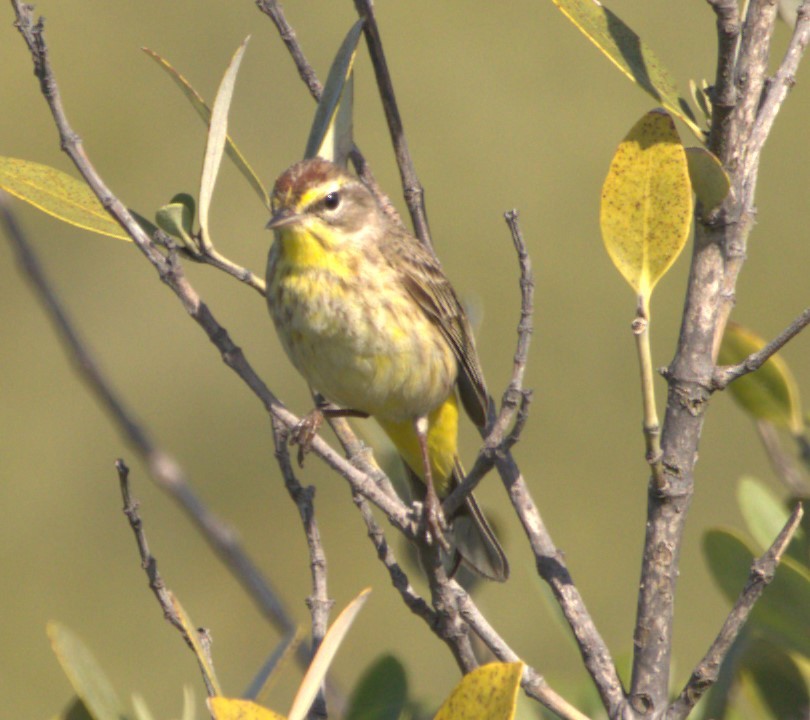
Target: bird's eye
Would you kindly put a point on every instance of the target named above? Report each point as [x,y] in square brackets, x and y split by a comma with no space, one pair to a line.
[332,200]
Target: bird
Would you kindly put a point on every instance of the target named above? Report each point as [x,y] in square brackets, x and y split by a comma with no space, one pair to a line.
[367,316]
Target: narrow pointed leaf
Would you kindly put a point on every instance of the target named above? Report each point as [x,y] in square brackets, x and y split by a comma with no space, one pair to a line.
[629,53]
[85,674]
[323,658]
[487,693]
[646,209]
[769,393]
[381,692]
[59,195]
[204,112]
[236,709]
[709,179]
[331,133]
[217,134]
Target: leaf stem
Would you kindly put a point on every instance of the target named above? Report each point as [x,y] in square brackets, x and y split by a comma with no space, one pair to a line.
[652,428]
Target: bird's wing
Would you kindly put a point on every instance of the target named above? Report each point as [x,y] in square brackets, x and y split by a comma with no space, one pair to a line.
[426,282]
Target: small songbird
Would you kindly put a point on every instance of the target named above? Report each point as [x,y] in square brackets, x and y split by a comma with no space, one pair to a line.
[368,317]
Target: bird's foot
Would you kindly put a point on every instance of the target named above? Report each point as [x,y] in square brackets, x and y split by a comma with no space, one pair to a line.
[304,432]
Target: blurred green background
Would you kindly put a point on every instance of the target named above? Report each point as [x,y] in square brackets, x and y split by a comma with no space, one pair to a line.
[504,106]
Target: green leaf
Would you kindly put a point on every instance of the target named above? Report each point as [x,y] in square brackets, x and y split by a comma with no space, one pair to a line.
[177,219]
[217,136]
[781,612]
[85,674]
[381,692]
[331,133]
[487,693]
[771,392]
[765,515]
[204,112]
[629,53]
[778,680]
[646,209]
[709,179]
[59,195]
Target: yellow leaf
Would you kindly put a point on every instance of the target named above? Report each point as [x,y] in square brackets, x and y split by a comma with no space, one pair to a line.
[629,53]
[57,194]
[487,693]
[769,393]
[235,709]
[316,672]
[646,209]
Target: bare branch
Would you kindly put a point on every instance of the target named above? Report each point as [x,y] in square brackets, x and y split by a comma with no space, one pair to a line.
[724,94]
[318,602]
[762,574]
[515,400]
[274,11]
[414,193]
[399,579]
[724,375]
[780,84]
[156,584]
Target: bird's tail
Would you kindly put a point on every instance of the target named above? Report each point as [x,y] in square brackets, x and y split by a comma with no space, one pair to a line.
[472,540]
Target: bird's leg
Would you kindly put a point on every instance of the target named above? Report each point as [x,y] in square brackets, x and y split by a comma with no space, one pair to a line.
[305,429]
[434,520]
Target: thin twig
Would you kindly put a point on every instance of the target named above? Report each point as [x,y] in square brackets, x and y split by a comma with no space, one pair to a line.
[412,188]
[762,573]
[399,579]
[515,400]
[724,93]
[318,602]
[156,584]
[724,375]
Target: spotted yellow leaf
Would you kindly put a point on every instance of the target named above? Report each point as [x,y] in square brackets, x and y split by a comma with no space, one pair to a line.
[646,209]
[487,693]
[223,708]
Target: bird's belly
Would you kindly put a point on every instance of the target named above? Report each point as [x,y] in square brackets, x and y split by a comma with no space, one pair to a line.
[367,347]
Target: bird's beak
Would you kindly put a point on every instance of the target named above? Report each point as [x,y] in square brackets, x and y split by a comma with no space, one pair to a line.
[282,218]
